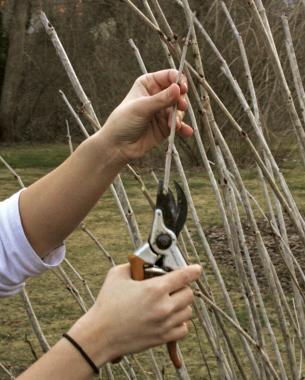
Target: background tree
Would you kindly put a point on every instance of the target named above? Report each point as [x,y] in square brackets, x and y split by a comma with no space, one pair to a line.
[14,67]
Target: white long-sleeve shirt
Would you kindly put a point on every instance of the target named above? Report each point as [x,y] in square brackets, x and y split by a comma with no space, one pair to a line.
[18,260]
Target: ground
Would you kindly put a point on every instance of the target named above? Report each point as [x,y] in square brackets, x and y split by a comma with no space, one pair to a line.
[56,309]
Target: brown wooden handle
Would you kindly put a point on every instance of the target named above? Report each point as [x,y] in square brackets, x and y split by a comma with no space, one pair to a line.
[138,274]
[173,354]
[137,268]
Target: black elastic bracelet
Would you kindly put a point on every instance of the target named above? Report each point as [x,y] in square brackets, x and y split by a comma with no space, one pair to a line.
[82,352]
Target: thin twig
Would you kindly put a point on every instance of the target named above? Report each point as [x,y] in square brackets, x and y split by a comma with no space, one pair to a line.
[9,373]
[171,138]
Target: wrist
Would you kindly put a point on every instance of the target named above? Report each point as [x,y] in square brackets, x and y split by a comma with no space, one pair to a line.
[91,336]
[107,148]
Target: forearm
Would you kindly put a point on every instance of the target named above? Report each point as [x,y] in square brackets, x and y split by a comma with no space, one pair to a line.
[64,361]
[53,207]
[61,362]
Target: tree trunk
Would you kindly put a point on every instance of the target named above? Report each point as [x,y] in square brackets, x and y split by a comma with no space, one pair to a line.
[7,14]
[13,70]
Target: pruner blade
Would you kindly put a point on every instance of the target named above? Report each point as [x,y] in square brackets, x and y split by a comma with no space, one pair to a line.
[174,212]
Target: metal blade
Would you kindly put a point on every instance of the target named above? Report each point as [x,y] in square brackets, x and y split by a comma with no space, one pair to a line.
[181,209]
[167,203]
[174,212]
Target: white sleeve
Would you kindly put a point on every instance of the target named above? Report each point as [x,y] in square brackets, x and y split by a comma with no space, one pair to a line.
[18,260]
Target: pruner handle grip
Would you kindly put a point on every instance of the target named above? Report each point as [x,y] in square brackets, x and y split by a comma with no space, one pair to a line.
[138,274]
[136,268]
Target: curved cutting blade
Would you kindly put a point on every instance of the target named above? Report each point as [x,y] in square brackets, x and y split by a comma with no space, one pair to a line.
[181,209]
[174,213]
[167,204]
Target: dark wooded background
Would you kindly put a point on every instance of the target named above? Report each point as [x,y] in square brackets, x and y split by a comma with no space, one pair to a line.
[95,34]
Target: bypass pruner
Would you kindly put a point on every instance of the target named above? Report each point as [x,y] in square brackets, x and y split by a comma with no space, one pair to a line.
[161,254]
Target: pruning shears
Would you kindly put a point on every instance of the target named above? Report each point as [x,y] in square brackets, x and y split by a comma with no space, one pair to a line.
[161,254]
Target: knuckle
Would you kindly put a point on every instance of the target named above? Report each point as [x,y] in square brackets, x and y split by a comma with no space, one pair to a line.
[164,310]
[166,335]
[190,295]
[159,331]
[164,332]
[184,330]
[155,289]
[189,312]
[161,288]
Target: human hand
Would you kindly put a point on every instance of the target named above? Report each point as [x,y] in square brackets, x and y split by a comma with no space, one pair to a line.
[142,121]
[130,316]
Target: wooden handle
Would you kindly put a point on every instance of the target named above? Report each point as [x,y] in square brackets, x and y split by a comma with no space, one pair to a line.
[173,354]
[137,268]
[138,274]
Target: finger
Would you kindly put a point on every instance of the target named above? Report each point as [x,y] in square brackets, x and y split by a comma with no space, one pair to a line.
[182,129]
[181,115]
[162,79]
[179,278]
[179,318]
[183,85]
[178,123]
[170,115]
[179,118]
[182,298]
[161,100]
[176,333]
[160,126]
[185,130]
[182,104]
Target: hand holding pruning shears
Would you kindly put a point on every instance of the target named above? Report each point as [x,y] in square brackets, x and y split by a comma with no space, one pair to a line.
[131,316]
[161,254]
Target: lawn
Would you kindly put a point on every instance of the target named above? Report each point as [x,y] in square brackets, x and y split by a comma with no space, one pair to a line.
[56,309]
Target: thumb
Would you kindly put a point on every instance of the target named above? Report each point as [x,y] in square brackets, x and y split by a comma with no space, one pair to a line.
[121,272]
[162,99]
[179,278]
